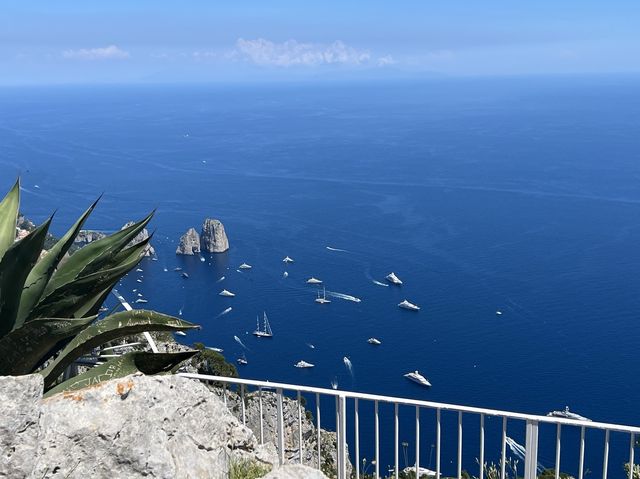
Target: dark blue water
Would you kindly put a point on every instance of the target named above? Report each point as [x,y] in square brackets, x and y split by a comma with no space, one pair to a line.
[482,195]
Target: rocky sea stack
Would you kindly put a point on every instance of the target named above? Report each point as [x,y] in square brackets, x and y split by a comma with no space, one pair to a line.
[189,243]
[143,235]
[213,238]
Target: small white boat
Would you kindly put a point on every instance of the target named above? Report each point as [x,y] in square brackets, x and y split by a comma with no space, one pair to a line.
[334,383]
[139,295]
[242,360]
[135,290]
[416,377]
[422,472]
[140,300]
[266,331]
[202,259]
[287,260]
[375,341]
[181,333]
[185,275]
[303,364]
[313,280]
[323,299]
[568,414]
[498,313]
[285,274]
[245,266]
[226,293]
[217,350]
[410,306]
[392,278]
[139,280]
[139,270]
[165,269]
[177,269]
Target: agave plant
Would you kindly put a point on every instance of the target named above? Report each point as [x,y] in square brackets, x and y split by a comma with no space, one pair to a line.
[49,303]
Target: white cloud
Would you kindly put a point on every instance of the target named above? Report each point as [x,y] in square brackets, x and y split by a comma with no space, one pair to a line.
[294,53]
[386,60]
[105,53]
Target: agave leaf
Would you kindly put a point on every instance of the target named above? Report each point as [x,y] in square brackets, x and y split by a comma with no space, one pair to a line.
[9,217]
[42,271]
[24,348]
[65,301]
[14,269]
[112,327]
[130,363]
[92,257]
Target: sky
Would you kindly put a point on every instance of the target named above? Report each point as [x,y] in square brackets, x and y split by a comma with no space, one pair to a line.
[120,41]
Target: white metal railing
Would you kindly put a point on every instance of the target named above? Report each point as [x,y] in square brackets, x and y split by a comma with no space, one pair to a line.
[532,423]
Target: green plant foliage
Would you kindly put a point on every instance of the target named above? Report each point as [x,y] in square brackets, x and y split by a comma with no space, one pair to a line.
[48,306]
[130,363]
[247,469]
[212,362]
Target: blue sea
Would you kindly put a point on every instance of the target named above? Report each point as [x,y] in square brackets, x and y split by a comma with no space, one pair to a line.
[520,195]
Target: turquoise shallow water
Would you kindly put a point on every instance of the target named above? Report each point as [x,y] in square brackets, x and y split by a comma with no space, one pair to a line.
[482,195]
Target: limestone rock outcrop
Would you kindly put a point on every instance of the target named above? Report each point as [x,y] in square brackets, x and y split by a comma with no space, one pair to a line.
[213,238]
[189,243]
[295,471]
[88,236]
[143,235]
[134,427]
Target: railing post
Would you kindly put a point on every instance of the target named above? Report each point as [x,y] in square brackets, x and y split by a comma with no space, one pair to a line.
[531,455]
[605,460]
[356,420]
[581,463]
[631,459]
[300,427]
[343,436]
[417,442]
[503,458]
[558,444]
[377,439]
[244,412]
[280,427]
[438,440]
[481,446]
[396,438]
[459,445]
[318,430]
[261,416]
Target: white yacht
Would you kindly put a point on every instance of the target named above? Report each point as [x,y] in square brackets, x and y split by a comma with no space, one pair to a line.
[265,332]
[287,260]
[568,414]
[392,278]
[139,270]
[185,275]
[303,364]
[242,360]
[138,280]
[323,299]
[226,293]
[410,306]
[285,274]
[313,280]
[140,300]
[374,341]
[498,313]
[416,377]
[245,266]
[181,333]
[217,350]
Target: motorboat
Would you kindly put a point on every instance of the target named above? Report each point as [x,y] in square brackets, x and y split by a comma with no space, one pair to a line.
[139,270]
[498,313]
[392,278]
[217,350]
[245,266]
[323,299]
[226,293]
[287,260]
[303,364]
[407,305]
[185,275]
[313,280]
[177,269]
[568,414]
[265,332]
[242,360]
[181,333]
[285,274]
[140,300]
[139,280]
[374,341]
[416,377]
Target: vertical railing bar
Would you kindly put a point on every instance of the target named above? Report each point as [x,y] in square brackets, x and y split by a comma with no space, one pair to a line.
[224,393]
[396,466]
[631,458]
[438,437]
[318,430]
[503,460]
[605,460]
[261,416]
[531,448]
[459,445]
[300,426]
[343,435]
[244,413]
[558,444]
[357,432]
[377,439]
[417,441]
[280,427]
[339,449]
[481,446]
[581,464]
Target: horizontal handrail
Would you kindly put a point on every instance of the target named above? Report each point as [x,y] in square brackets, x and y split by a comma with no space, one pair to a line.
[417,402]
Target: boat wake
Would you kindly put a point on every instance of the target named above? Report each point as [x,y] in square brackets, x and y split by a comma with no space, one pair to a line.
[228,310]
[379,283]
[346,297]
[239,341]
[221,279]
[337,249]
[520,451]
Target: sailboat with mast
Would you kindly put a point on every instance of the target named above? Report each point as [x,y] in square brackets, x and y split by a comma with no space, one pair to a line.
[265,332]
[323,299]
